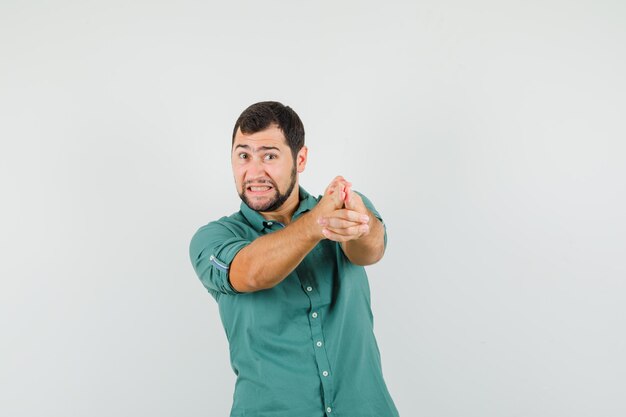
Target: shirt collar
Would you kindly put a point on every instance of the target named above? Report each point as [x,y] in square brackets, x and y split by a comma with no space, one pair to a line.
[258,222]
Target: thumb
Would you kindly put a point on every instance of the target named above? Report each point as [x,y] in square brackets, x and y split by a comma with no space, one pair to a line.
[336,192]
[349,200]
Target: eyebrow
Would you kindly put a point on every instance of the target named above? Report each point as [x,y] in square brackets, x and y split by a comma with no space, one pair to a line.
[260,148]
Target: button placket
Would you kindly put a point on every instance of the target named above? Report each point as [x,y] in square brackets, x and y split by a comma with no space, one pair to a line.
[317,338]
[321,356]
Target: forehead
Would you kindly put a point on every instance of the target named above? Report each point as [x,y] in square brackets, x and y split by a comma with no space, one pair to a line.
[271,136]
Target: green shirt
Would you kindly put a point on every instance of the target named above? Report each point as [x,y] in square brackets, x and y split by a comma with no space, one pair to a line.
[306,347]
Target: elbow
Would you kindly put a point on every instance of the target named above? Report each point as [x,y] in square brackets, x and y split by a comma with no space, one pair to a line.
[239,278]
[365,259]
[376,258]
[242,274]
[253,284]
[260,278]
[249,279]
[363,256]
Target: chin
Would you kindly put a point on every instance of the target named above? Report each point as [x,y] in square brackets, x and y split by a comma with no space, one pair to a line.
[261,204]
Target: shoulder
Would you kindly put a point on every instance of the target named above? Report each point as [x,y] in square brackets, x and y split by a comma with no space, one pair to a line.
[227,227]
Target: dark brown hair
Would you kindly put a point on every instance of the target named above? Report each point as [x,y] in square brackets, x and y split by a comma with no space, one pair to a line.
[262,115]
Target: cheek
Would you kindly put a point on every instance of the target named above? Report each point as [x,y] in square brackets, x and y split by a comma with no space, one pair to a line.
[238,174]
[238,167]
[275,173]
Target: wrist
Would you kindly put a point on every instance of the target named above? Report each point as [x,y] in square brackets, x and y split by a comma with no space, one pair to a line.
[311,229]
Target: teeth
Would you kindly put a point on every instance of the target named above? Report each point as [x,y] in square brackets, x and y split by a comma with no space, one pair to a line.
[259,188]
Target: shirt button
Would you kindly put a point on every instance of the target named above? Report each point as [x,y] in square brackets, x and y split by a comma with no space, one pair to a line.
[325,373]
[309,289]
[314,315]
[270,223]
[319,343]
[328,409]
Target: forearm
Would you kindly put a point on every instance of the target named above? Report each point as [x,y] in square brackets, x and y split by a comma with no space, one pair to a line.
[368,249]
[269,259]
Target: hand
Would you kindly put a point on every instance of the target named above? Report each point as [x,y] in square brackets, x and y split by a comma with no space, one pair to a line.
[333,198]
[354,202]
[348,222]
[344,225]
[336,191]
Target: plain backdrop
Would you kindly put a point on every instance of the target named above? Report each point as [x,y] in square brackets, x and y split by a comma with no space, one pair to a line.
[489,134]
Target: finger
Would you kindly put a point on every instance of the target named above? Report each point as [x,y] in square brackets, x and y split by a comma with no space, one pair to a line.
[335,195]
[335,186]
[350,215]
[343,218]
[354,202]
[354,231]
[334,192]
[349,200]
[331,188]
[337,223]
[328,234]
[337,180]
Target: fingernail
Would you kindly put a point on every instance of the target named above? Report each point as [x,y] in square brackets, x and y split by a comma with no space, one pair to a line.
[365,219]
[364,228]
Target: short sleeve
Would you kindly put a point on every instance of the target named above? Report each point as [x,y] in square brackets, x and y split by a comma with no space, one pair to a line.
[371,208]
[212,249]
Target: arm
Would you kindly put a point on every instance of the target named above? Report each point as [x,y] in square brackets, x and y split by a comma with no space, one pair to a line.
[370,247]
[271,258]
[361,234]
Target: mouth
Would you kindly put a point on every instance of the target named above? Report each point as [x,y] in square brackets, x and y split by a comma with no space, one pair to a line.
[258,189]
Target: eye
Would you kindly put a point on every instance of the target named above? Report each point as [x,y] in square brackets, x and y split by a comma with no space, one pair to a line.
[270,156]
[243,155]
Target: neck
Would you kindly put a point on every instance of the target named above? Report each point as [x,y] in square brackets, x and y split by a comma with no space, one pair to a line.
[285,212]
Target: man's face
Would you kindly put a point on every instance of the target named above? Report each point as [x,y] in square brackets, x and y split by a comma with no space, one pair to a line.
[264,168]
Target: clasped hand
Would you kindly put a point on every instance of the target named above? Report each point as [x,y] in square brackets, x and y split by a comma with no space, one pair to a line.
[342,215]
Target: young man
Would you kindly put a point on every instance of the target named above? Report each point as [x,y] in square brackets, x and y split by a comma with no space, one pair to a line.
[287,273]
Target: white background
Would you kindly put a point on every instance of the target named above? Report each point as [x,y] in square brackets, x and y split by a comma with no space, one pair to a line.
[489,134]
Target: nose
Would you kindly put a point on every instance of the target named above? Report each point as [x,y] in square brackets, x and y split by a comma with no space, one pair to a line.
[256,169]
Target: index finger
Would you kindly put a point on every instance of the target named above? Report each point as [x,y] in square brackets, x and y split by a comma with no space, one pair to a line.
[350,215]
[339,180]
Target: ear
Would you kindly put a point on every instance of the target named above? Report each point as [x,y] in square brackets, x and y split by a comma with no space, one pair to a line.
[301,159]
